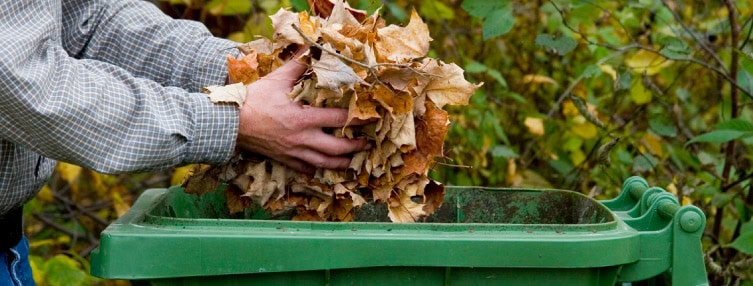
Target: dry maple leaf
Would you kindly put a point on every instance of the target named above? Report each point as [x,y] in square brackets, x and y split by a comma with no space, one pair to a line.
[333,74]
[233,93]
[401,44]
[245,70]
[403,209]
[450,88]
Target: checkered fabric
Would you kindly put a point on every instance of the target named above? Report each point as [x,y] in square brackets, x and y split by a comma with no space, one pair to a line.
[108,85]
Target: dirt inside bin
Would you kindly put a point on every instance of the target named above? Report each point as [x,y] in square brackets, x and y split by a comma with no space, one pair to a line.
[478,205]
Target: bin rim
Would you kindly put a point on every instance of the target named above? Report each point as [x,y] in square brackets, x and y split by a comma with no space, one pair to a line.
[144,246]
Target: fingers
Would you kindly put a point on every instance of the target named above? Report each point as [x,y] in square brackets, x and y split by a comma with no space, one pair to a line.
[320,160]
[299,166]
[334,146]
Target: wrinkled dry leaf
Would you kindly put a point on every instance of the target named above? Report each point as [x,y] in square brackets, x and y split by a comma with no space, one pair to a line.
[245,70]
[402,44]
[233,93]
[449,87]
[235,200]
[324,8]
[433,197]
[283,22]
[396,102]
[403,209]
[431,129]
[333,74]
[362,108]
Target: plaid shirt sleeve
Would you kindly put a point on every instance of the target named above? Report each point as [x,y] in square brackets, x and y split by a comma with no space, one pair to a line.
[110,85]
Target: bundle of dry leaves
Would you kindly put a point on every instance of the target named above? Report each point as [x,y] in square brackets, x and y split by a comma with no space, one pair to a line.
[379,73]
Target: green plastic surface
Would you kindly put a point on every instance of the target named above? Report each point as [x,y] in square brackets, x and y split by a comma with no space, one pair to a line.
[480,236]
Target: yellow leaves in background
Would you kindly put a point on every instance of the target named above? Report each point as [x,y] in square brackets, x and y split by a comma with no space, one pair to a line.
[86,186]
[607,69]
[120,206]
[538,79]
[648,63]
[535,125]
[584,129]
[45,194]
[653,144]
[639,93]
[70,173]
[581,127]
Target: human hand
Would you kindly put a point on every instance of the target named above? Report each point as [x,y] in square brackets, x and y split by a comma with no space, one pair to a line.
[271,124]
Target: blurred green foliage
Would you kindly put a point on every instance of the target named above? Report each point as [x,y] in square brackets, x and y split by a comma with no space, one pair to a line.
[578,94]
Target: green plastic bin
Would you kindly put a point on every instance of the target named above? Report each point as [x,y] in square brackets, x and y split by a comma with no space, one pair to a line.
[480,236]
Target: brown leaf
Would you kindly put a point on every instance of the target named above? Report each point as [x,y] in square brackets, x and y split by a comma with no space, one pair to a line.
[361,107]
[403,209]
[309,26]
[333,74]
[402,44]
[203,179]
[433,197]
[244,70]
[342,209]
[262,46]
[349,47]
[283,22]
[446,84]
[431,130]
[341,15]
[235,200]
[323,8]
[382,192]
[403,132]
[399,79]
[415,162]
[275,205]
[358,160]
[396,102]
[266,55]
[260,185]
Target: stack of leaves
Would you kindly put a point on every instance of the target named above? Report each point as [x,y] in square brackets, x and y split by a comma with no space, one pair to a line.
[381,75]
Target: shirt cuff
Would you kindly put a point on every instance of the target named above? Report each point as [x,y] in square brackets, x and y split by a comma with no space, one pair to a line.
[215,131]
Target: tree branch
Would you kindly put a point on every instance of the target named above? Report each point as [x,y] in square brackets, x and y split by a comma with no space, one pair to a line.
[730,146]
[716,70]
[701,43]
[572,85]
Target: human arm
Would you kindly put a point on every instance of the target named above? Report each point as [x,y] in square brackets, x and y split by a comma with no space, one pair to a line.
[271,124]
[95,114]
[138,37]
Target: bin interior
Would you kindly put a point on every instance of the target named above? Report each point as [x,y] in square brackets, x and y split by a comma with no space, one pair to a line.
[461,205]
